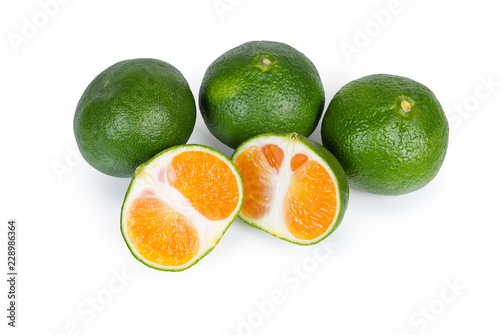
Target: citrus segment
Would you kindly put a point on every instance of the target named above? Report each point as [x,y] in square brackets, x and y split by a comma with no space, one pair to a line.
[274,155]
[256,174]
[310,203]
[160,234]
[298,160]
[294,188]
[206,181]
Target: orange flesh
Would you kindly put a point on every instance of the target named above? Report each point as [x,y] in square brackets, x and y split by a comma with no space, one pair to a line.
[206,181]
[257,167]
[311,202]
[160,234]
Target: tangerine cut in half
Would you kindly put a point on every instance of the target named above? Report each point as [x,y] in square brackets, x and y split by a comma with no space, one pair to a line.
[295,189]
[178,206]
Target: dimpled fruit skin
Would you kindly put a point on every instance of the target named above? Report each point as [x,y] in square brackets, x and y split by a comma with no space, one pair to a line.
[382,148]
[130,112]
[242,96]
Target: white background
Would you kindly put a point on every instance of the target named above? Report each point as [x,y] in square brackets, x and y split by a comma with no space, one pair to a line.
[386,270]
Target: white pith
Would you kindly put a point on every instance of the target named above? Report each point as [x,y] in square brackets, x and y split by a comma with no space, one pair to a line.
[209,231]
[273,222]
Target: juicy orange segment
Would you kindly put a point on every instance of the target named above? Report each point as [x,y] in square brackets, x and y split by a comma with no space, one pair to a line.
[206,181]
[274,155]
[257,174]
[298,160]
[160,234]
[310,203]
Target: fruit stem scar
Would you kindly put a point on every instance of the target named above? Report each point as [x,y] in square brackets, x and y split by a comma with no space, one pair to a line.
[406,106]
[263,63]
